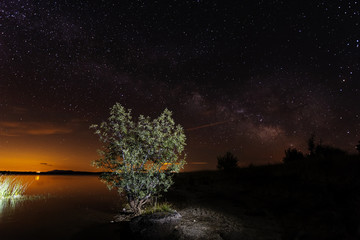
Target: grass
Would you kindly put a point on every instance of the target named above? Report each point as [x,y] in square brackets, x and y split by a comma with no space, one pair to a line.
[11,187]
[162,207]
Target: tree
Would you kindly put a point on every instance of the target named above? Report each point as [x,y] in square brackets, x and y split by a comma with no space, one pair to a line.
[227,162]
[311,145]
[292,155]
[140,157]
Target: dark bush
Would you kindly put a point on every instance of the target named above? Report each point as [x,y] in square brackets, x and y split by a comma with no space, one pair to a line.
[292,155]
[324,152]
[227,162]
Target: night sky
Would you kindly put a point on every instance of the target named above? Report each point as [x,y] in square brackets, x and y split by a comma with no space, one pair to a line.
[251,77]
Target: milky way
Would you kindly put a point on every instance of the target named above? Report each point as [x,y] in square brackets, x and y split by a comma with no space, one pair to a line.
[251,77]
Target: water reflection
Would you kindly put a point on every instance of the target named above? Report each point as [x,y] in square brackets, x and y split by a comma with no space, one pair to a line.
[8,205]
[60,206]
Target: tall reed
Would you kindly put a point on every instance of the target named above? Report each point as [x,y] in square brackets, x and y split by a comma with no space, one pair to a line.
[11,187]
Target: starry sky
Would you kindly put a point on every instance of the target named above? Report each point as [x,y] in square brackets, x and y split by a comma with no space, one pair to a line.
[250,77]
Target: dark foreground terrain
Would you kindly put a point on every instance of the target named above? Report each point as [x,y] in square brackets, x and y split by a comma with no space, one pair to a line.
[311,199]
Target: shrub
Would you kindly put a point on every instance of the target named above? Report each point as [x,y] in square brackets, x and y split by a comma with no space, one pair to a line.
[140,157]
[227,162]
[325,152]
[292,155]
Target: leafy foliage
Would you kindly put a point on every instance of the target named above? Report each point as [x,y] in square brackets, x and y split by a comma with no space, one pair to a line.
[141,156]
[227,162]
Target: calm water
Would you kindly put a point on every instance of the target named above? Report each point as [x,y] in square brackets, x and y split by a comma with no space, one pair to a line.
[61,207]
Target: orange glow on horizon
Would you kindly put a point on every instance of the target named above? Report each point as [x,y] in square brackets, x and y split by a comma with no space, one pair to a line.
[45,146]
[33,156]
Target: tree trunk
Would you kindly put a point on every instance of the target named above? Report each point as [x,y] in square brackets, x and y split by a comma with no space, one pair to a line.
[136,204]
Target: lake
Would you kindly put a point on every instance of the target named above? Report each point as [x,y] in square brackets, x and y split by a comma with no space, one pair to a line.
[61,207]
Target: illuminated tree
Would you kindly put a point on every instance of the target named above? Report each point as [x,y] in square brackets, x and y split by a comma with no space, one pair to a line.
[140,157]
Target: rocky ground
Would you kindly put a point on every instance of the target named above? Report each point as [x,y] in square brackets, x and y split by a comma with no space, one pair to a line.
[213,212]
[200,223]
